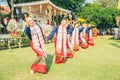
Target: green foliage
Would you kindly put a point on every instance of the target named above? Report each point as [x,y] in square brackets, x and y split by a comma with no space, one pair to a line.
[94,13]
[3,15]
[73,5]
[107,3]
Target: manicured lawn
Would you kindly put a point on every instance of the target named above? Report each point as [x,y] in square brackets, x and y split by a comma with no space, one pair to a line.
[101,62]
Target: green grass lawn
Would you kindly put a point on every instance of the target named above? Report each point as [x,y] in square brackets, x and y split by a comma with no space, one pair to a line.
[101,62]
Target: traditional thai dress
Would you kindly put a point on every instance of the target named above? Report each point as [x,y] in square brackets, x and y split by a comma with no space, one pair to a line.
[75,39]
[61,43]
[90,36]
[95,32]
[84,38]
[37,44]
[46,30]
[70,50]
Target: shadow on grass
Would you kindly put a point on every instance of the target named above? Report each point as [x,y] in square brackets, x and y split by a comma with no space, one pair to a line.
[112,38]
[49,61]
[118,41]
[115,45]
[13,47]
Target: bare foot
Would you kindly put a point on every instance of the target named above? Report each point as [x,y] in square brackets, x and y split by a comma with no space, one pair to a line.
[32,72]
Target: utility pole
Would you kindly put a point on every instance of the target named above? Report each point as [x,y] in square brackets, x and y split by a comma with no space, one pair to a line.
[12,9]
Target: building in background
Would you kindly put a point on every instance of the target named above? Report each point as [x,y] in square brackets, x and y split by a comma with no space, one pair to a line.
[42,10]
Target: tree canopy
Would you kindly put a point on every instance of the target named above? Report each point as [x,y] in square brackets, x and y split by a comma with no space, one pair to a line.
[94,13]
[73,5]
[107,3]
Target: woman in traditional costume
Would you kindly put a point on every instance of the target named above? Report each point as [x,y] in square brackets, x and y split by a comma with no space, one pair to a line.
[35,34]
[90,36]
[61,42]
[75,39]
[84,37]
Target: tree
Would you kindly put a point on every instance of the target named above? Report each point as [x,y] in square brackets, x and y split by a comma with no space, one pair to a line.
[107,3]
[73,5]
[94,13]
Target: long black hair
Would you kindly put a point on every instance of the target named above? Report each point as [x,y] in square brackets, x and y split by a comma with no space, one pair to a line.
[24,15]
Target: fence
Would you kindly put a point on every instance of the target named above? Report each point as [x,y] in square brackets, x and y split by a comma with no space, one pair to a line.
[9,42]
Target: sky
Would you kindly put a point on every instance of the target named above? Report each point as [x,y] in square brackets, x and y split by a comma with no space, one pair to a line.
[89,1]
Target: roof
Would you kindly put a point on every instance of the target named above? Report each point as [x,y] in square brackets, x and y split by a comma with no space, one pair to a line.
[41,2]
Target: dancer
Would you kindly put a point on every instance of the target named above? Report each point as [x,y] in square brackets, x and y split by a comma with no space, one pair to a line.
[95,33]
[84,37]
[60,41]
[34,32]
[90,36]
[75,39]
